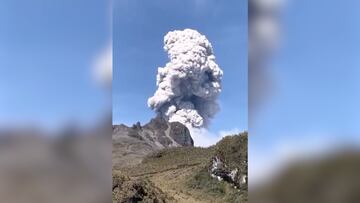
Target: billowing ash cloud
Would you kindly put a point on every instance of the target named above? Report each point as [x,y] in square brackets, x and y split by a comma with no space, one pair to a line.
[188,85]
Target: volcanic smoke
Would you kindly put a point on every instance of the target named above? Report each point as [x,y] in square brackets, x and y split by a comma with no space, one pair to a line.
[189,84]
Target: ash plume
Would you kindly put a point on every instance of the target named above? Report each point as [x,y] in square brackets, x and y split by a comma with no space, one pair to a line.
[264,37]
[188,85]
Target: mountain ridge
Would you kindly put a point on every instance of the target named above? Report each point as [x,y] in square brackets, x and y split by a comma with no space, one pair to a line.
[132,144]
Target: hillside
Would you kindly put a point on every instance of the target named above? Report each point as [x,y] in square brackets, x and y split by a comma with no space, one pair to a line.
[328,178]
[184,174]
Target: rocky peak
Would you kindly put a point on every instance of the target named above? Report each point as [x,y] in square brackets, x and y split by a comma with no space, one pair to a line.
[157,123]
[138,141]
[180,134]
[168,134]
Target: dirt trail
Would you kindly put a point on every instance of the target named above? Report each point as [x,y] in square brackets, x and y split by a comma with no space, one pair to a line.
[166,170]
[169,181]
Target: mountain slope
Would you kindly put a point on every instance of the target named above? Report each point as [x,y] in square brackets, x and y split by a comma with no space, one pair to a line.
[182,174]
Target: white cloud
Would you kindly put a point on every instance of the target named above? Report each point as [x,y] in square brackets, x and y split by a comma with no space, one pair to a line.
[203,138]
[233,131]
[103,67]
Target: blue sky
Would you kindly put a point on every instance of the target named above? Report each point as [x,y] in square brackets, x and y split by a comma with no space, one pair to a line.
[47,49]
[138,31]
[316,77]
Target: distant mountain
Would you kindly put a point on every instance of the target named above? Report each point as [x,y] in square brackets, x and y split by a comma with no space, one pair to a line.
[131,144]
[68,165]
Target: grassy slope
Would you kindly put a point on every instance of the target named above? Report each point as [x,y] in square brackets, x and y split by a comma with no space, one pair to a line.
[181,173]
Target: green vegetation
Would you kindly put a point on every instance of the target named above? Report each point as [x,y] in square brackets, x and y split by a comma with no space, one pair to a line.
[234,150]
[202,181]
[218,191]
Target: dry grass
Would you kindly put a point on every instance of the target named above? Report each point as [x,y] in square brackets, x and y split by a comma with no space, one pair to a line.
[170,159]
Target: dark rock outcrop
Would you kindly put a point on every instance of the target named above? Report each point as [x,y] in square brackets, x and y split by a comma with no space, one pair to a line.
[218,169]
[181,134]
